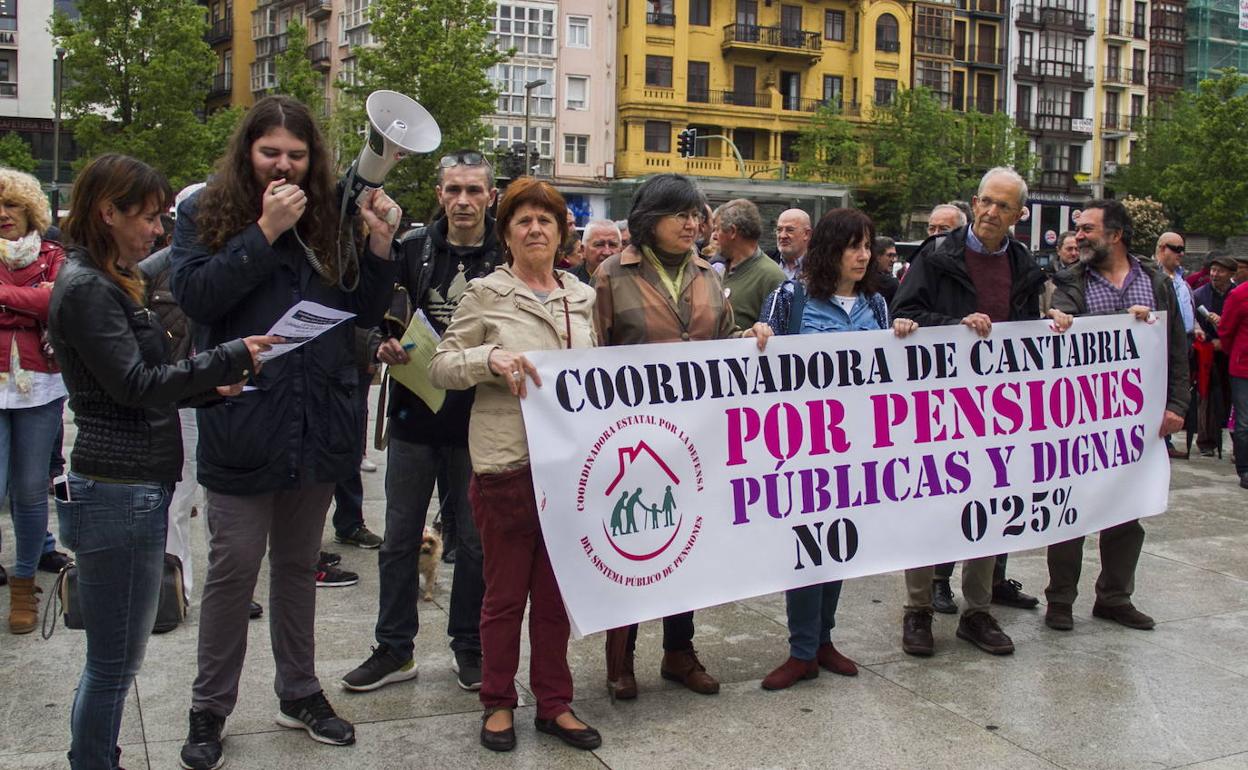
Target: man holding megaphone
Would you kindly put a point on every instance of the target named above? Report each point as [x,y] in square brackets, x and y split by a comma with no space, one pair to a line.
[265,234]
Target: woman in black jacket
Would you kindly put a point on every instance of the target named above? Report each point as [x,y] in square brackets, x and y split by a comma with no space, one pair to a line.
[128,454]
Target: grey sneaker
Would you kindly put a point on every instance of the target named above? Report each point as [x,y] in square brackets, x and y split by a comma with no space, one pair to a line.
[381,669]
[316,717]
[360,538]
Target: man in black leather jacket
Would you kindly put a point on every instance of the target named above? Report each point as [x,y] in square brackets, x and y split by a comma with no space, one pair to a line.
[270,457]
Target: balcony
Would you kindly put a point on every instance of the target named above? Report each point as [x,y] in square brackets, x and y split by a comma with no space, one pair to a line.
[986,106]
[1121,77]
[797,104]
[1049,120]
[773,41]
[661,19]
[1114,123]
[318,9]
[220,30]
[1052,180]
[8,90]
[271,46]
[741,98]
[983,7]
[319,55]
[1052,71]
[1045,17]
[985,57]
[1119,28]
[1163,81]
[888,46]
[220,85]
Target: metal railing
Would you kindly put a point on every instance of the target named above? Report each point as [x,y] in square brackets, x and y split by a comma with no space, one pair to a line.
[775,37]
[888,46]
[661,19]
[1031,14]
[220,30]
[319,52]
[8,90]
[220,85]
[315,9]
[992,57]
[1045,69]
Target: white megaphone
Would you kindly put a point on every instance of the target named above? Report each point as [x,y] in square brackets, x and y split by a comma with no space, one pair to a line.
[397,126]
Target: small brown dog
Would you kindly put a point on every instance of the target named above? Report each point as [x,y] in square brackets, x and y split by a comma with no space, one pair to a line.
[430,558]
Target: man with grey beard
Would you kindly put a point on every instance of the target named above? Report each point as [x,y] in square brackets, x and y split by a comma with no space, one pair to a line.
[1109,279]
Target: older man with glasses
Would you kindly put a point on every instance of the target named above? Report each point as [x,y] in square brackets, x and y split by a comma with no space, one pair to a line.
[424,445]
[974,276]
[1169,256]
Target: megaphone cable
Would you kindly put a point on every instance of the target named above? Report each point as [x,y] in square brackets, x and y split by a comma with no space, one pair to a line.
[353,255]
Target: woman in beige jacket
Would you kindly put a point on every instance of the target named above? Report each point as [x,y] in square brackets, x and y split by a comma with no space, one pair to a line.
[525,305]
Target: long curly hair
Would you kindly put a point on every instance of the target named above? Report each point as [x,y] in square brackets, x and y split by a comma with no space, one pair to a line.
[129,185]
[232,199]
[24,190]
[837,231]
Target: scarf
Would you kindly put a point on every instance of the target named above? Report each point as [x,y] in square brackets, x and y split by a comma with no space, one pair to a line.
[671,269]
[22,252]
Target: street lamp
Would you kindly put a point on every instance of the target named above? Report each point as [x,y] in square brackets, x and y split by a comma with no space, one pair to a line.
[58,68]
[528,91]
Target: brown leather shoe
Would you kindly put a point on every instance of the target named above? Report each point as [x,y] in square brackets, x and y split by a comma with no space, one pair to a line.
[683,666]
[790,673]
[1176,454]
[829,658]
[1059,616]
[916,633]
[1123,614]
[23,605]
[981,630]
[624,686]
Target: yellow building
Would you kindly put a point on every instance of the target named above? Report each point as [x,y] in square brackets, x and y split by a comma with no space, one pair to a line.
[753,72]
[230,35]
[1121,84]
[979,55]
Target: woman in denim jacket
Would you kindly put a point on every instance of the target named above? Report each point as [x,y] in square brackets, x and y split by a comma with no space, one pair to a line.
[835,292]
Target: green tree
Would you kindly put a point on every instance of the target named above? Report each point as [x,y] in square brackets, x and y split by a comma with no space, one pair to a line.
[1191,156]
[829,149]
[437,52]
[136,76]
[295,75]
[15,153]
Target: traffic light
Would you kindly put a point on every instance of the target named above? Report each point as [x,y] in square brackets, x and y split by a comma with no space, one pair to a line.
[686,141]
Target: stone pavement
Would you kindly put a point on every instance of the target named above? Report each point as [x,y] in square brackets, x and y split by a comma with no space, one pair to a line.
[1101,696]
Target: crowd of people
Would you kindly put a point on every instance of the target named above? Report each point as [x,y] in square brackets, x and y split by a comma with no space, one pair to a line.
[165,357]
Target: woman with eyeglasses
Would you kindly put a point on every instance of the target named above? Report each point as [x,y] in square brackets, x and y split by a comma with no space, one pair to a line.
[524,305]
[660,289]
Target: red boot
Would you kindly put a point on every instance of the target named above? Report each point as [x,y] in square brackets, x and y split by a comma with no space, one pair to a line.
[835,662]
[790,673]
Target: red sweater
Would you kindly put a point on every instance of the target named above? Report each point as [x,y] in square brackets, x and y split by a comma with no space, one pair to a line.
[1233,330]
[18,291]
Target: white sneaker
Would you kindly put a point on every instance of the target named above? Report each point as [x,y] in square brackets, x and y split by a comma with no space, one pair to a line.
[368,466]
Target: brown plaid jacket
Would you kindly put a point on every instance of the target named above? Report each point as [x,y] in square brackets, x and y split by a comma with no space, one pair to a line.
[634,307]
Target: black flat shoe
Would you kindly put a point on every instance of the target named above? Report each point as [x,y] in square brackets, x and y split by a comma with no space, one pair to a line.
[502,740]
[587,738]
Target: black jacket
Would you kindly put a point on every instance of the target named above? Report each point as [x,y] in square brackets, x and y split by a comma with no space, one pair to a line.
[113,356]
[937,290]
[1070,295]
[431,268]
[155,270]
[301,424]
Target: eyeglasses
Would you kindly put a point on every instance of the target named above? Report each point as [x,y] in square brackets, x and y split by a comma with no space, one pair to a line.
[469,158]
[685,217]
[1176,249]
[1002,206]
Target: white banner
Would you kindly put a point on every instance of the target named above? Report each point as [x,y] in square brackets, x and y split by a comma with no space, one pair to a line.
[672,477]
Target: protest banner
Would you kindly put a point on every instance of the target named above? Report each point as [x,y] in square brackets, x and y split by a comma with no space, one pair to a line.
[671,477]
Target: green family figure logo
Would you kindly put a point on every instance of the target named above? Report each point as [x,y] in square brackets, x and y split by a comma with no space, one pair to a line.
[638,486]
[624,521]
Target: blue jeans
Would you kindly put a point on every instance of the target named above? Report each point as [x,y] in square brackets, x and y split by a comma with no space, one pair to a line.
[117,533]
[1239,435]
[27,437]
[812,616]
[411,470]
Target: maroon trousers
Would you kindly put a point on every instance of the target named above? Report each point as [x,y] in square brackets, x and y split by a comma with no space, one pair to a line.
[517,570]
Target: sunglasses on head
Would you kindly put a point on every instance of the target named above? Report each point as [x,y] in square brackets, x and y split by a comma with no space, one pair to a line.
[462,159]
[1176,249]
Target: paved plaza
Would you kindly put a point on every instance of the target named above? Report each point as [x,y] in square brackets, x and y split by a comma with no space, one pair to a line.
[1102,696]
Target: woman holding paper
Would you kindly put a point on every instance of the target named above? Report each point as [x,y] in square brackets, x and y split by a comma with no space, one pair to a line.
[836,291]
[523,305]
[128,455]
